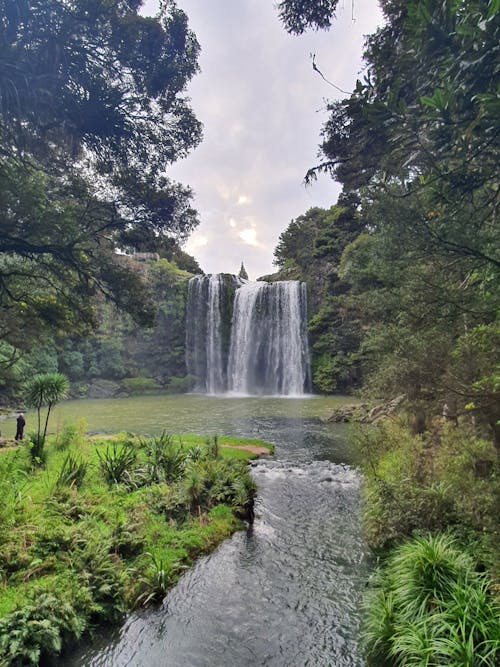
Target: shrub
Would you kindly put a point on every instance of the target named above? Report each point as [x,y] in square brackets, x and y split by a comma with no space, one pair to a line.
[72,472]
[36,443]
[38,629]
[14,479]
[166,461]
[71,434]
[181,385]
[116,462]
[429,606]
[209,482]
[213,447]
[101,573]
[154,585]
[140,385]
[427,483]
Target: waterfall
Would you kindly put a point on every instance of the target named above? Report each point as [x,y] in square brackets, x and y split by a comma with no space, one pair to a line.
[209,310]
[262,349]
[269,353]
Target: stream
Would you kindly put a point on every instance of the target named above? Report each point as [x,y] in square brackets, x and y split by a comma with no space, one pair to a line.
[287,592]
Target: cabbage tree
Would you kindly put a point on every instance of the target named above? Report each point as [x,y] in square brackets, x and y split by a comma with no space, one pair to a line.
[45,390]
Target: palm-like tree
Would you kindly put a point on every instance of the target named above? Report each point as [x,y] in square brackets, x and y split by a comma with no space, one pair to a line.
[46,389]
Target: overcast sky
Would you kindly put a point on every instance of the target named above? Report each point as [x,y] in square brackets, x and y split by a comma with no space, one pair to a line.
[262,107]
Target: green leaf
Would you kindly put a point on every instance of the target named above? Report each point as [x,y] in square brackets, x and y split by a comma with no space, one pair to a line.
[493,7]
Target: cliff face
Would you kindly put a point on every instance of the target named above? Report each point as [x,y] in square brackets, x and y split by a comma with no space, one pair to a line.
[123,358]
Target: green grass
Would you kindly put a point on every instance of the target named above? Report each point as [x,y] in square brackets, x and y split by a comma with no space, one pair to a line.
[92,544]
[430,607]
[228,444]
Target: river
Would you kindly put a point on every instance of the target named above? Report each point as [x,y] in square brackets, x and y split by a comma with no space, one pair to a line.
[284,594]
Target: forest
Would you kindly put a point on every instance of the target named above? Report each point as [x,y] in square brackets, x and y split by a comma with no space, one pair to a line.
[403,273]
[403,270]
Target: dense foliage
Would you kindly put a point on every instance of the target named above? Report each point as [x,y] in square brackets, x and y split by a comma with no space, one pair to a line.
[430,606]
[107,526]
[92,113]
[415,147]
[121,357]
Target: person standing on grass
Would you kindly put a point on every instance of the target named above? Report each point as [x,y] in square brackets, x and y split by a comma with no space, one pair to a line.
[20,426]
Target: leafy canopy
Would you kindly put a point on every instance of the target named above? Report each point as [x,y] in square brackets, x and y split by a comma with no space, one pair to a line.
[92,112]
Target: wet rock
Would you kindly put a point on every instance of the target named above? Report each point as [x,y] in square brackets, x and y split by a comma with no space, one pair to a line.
[364,413]
[348,413]
[103,389]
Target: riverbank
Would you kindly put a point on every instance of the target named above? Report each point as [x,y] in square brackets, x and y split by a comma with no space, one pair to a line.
[108,525]
[430,510]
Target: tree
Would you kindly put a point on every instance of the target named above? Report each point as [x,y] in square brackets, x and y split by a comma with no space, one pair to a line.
[417,144]
[92,113]
[46,389]
[424,122]
[243,273]
[298,15]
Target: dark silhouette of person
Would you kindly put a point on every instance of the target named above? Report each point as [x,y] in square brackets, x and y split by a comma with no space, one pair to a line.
[20,427]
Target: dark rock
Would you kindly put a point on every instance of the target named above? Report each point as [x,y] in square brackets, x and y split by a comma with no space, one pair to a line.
[103,389]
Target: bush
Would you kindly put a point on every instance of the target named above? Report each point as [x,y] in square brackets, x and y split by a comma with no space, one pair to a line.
[71,434]
[155,583]
[36,443]
[429,606]
[102,575]
[181,385]
[117,462]
[428,482]
[140,385]
[213,481]
[165,460]
[72,472]
[37,629]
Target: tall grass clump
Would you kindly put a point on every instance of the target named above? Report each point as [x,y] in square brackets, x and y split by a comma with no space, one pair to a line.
[70,434]
[154,585]
[166,461]
[72,472]
[117,462]
[429,607]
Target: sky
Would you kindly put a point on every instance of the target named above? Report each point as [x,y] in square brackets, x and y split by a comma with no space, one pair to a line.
[262,107]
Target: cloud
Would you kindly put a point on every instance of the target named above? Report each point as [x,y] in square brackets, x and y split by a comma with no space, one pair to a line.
[263,108]
[195,242]
[249,235]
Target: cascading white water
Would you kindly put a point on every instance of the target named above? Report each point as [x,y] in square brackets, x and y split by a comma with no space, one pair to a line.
[196,332]
[215,371]
[269,352]
[247,338]
[207,341]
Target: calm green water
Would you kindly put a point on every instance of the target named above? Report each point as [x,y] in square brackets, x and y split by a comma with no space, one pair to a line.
[201,414]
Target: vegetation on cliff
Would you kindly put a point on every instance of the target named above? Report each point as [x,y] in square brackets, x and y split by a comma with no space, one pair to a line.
[93,113]
[121,357]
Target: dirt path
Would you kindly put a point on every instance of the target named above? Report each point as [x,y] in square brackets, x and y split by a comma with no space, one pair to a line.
[253,449]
